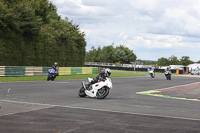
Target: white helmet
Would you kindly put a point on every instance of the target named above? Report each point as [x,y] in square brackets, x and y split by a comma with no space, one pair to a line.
[108,71]
[55,63]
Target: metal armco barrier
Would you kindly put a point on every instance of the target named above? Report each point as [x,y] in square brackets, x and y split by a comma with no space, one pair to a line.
[41,71]
[132,69]
[11,71]
[2,70]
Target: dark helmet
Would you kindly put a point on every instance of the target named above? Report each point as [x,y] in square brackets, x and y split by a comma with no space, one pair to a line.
[108,71]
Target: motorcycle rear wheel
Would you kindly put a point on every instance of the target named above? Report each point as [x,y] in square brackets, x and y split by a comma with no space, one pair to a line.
[81,92]
[103,92]
[48,78]
[169,77]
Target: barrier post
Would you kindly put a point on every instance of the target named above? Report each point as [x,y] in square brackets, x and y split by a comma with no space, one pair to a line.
[177,71]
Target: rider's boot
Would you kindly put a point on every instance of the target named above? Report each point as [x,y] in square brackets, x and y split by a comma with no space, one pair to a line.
[88,85]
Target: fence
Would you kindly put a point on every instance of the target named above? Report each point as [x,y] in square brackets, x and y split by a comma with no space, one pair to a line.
[41,71]
[135,69]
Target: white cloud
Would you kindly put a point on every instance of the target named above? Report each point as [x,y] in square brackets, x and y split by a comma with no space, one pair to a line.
[141,25]
[152,41]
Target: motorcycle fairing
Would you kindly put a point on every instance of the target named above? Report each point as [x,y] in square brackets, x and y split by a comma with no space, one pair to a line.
[51,71]
[90,79]
[95,88]
[167,72]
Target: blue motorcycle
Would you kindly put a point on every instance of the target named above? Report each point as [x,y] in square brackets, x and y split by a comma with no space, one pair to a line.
[51,74]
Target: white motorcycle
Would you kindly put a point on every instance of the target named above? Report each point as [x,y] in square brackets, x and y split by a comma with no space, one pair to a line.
[152,73]
[99,90]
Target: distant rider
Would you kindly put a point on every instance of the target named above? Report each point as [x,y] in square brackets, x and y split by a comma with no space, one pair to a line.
[56,68]
[101,76]
[151,68]
[168,69]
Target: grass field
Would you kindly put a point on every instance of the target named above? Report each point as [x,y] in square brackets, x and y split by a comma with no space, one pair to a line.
[42,78]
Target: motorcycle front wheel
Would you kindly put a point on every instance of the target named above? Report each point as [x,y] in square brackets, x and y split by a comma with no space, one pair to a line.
[169,77]
[152,75]
[81,92]
[53,78]
[103,92]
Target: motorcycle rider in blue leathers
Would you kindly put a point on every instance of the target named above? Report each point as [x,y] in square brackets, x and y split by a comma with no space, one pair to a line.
[56,68]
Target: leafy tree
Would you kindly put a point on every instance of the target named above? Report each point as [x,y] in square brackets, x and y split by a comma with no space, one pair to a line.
[173,60]
[91,55]
[109,54]
[130,56]
[45,10]
[32,33]
[185,60]
[163,62]
[98,56]
[120,56]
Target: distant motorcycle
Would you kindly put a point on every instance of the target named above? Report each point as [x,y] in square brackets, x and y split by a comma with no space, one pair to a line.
[168,75]
[99,90]
[152,73]
[51,74]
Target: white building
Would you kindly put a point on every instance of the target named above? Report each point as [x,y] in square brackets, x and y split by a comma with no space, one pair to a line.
[193,66]
[176,67]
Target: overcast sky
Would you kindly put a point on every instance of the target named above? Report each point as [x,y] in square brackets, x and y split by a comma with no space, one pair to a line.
[151,28]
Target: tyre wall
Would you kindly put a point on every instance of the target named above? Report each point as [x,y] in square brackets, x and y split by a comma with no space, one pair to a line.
[13,71]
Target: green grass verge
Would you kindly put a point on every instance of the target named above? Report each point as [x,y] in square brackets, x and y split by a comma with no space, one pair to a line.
[67,77]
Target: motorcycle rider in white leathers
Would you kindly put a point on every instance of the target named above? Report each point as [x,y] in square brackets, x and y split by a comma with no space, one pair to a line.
[151,68]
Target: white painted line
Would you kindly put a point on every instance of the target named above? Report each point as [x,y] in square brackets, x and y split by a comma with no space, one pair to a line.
[103,110]
[163,96]
[168,87]
[177,98]
[21,102]
[8,90]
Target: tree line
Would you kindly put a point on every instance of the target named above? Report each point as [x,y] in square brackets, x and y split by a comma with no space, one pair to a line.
[33,34]
[109,54]
[173,60]
[123,55]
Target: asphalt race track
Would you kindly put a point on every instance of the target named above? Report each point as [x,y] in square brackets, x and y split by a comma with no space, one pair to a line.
[55,107]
